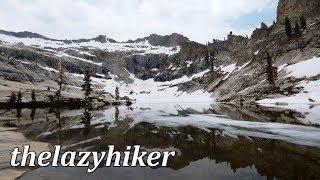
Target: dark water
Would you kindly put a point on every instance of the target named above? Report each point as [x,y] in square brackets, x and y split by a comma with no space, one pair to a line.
[212,141]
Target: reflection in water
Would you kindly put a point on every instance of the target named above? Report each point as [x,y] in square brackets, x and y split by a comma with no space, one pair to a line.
[57,113]
[116,113]
[86,120]
[32,114]
[205,146]
[18,114]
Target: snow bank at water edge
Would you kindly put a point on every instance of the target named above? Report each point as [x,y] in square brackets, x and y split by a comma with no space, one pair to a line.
[300,102]
[308,100]
[296,134]
[169,115]
[311,92]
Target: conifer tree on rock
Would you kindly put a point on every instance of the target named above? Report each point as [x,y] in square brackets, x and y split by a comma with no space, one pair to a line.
[209,58]
[288,27]
[303,23]
[272,72]
[297,30]
[206,56]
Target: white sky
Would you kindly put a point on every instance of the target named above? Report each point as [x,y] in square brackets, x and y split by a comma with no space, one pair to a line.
[199,20]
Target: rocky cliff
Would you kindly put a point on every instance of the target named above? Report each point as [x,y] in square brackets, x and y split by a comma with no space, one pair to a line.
[234,69]
[293,9]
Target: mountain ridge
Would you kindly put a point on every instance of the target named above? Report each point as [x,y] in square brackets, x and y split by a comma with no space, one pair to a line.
[174,39]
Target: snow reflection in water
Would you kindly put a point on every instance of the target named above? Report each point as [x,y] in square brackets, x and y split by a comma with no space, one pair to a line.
[213,141]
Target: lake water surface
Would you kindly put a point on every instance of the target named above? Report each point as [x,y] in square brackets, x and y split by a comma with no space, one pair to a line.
[212,141]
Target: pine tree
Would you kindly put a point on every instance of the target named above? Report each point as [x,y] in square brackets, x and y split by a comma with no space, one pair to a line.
[105,71]
[61,79]
[134,63]
[33,96]
[271,72]
[117,94]
[19,97]
[303,23]
[297,29]
[86,87]
[288,27]
[211,59]
[206,56]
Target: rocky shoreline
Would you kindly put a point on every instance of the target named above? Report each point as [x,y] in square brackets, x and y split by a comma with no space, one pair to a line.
[11,138]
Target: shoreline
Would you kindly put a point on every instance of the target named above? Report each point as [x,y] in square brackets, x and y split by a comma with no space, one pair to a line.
[11,138]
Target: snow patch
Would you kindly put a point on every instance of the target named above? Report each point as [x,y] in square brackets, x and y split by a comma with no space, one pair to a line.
[306,68]
[300,102]
[151,91]
[81,59]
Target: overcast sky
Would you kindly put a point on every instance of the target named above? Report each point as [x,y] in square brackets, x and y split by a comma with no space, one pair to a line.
[199,20]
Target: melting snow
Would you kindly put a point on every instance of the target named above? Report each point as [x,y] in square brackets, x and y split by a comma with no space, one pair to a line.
[311,90]
[301,102]
[303,135]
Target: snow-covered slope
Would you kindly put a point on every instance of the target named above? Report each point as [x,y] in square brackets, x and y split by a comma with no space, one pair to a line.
[230,80]
[308,68]
[149,91]
[311,88]
[308,100]
[139,47]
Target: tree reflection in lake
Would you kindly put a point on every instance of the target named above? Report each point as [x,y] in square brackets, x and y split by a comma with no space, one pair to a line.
[217,142]
[19,113]
[86,120]
[32,114]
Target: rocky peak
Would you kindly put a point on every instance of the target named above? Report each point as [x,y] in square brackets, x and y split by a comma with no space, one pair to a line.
[172,40]
[294,9]
[101,38]
[23,34]
[104,39]
[235,41]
